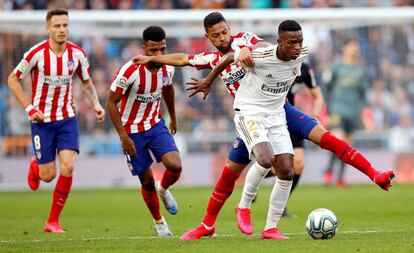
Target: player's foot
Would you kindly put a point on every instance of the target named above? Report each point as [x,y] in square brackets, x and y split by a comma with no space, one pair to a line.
[244,220]
[33,179]
[273,233]
[383,179]
[161,228]
[197,232]
[53,227]
[168,199]
[327,178]
[340,183]
[286,214]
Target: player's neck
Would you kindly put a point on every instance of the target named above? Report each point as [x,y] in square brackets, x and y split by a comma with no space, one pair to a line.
[152,68]
[350,60]
[57,48]
[281,56]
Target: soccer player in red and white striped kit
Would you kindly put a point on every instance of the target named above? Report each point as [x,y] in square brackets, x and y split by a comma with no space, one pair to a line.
[52,64]
[142,129]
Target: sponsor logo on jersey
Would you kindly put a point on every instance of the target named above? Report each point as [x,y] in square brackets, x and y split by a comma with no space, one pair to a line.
[71,65]
[281,87]
[149,98]
[23,65]
[233,77]
[58,80]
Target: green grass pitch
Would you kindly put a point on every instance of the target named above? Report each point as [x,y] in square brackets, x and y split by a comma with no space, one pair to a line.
[371,220]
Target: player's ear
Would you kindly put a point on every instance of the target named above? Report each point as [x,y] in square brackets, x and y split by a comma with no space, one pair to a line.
[206,35]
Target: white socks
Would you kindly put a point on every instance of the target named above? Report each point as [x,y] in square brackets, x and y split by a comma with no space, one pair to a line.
[277,203]
[254,178]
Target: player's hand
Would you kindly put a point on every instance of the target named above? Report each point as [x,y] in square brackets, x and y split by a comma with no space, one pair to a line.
[197,86]
[34,114]
[245,59]
[173,126]
[141,59]
[37,116]
[99,113]
[128,146]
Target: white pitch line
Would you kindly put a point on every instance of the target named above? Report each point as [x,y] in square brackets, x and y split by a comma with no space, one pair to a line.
[109,238]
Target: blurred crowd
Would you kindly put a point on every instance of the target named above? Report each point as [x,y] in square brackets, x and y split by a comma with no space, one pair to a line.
[386,53]
[193,4]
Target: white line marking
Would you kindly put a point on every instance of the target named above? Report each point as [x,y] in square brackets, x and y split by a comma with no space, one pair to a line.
[109,238]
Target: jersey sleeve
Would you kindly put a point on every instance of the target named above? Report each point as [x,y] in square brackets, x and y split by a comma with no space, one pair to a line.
[248,39]
[170,74]
[26,64]
[83,68]
[202,61]
[124,78]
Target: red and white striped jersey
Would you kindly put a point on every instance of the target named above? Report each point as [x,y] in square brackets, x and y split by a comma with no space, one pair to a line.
[142,91]
[52,78]
[233,73]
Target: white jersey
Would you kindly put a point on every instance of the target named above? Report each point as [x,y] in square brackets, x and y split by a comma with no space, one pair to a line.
[142,92]
[264,88]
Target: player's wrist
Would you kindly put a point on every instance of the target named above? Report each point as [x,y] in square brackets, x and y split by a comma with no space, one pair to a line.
[30,110]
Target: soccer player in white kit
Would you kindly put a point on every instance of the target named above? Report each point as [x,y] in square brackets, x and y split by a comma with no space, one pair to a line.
[261,123]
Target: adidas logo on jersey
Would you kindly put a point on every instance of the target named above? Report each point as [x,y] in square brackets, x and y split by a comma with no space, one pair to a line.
[269,76]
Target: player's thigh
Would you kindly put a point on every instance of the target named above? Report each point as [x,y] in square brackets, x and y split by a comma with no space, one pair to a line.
[238,157]
[298,163]
[67,135]
[284,166]
[44,143]
[172,160]
[316,134]
[164,148]
[299,123]
[254,136]
[67,159]
[142,160]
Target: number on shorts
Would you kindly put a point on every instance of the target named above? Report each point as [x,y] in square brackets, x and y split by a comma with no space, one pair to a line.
[36,140]
[252,125]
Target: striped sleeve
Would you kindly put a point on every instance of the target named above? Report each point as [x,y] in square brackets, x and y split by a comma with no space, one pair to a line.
[248,39]
[29,61]
[83,68]
[202,61]
[124,78]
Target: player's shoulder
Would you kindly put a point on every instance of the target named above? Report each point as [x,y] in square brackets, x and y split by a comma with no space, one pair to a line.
[128,68]
[170,68]
[264,52]
[76,48]
[37,48]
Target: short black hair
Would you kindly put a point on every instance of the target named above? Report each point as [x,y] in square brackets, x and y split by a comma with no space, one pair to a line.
[56,12]
[289,26]
[212,19]
[154,33]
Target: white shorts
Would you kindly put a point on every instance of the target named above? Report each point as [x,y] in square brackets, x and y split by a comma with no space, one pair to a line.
[254,130]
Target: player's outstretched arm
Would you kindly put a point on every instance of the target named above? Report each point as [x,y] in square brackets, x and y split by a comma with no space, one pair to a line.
[203,85]
[111,101]
[168,94]
[90,92]
[15,87]
[177,59]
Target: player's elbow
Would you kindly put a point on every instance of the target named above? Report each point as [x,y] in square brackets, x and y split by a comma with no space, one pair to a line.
[12,79]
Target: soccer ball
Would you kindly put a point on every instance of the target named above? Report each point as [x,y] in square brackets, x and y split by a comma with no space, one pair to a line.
[322,224]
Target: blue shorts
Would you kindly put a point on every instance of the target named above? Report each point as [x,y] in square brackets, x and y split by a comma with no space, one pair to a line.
[299,125]
[49,138]
[158,140]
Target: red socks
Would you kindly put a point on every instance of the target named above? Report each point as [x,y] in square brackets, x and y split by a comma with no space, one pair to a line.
[152,202]
[60,195]
[347,154]
[169,178]
[221,193]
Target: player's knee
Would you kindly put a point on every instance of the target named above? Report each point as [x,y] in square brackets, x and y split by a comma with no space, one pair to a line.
[66,169]
[148,185]
[286,174]
[265,161]
[47,175]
